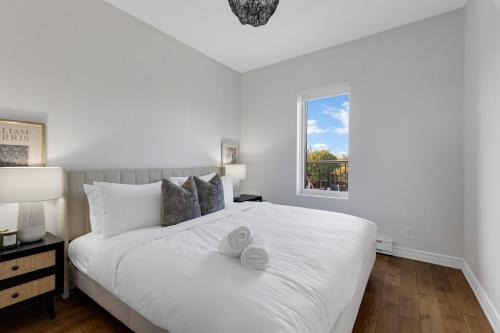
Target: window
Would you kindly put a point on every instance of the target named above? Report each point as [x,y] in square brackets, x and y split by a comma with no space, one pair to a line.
[323,141]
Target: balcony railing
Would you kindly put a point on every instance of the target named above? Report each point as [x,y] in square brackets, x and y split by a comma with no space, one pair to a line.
[327,175]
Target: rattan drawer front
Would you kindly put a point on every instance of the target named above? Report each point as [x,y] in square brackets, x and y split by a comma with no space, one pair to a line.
[27,290]
[27,264]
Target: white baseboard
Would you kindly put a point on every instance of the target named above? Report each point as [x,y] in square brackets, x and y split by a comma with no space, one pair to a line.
[482,297]
[433,258]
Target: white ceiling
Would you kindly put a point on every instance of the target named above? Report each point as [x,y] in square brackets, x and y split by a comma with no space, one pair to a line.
[298,27]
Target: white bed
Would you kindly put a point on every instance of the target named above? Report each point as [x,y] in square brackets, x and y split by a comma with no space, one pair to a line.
[173,280]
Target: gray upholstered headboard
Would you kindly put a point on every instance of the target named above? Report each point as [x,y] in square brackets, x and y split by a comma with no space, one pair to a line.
[77,212]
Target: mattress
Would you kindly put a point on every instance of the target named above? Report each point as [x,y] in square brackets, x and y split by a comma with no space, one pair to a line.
[81,250]
[172,276]
[138,323]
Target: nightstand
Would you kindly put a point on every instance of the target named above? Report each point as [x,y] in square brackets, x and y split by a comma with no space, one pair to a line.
[32,272]
[248,197]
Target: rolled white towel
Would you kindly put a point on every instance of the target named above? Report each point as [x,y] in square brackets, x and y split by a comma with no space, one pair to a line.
[256,255]
[233,243]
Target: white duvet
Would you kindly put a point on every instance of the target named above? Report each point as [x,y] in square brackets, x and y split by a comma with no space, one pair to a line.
[175,277]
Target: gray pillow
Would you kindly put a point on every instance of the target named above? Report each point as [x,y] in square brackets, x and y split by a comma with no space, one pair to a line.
[179,203]
[210,194]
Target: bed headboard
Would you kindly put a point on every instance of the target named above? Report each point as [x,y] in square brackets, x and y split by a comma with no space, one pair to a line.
[77,211]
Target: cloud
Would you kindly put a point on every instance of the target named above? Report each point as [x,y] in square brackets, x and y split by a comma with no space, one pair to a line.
[319,146]
[341,114]
[312,127]
[343,117]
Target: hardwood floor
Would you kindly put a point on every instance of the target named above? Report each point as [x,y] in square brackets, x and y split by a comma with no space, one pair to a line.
[401,296]
[78,314]
[410,296]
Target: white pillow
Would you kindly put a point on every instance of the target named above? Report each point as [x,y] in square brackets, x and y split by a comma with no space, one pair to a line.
[129,207]
[94,198]
[227,184]
[179,181]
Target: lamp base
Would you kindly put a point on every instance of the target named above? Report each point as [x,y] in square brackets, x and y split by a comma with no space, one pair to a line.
[31,222]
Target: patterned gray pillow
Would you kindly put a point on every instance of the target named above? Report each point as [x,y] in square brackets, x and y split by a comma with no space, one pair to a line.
[179,203]
[210,194]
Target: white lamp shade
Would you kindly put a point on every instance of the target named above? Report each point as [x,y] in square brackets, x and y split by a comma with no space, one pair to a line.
[30,184]
[236,171]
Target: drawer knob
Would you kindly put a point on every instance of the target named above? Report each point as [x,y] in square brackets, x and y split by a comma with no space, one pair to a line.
[15,295]
[15,267]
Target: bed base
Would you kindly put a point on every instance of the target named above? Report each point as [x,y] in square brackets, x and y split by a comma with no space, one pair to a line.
[138,323]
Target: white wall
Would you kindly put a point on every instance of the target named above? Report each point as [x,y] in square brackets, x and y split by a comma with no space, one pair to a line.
[406,154]
[482,144]
[113,91]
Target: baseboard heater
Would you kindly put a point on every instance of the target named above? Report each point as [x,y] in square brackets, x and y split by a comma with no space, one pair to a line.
[384,245]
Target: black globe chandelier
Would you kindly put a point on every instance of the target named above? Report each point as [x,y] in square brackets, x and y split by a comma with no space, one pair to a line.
[254,12]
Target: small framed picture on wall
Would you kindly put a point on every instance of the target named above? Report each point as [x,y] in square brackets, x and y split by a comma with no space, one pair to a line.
[22,143]
[230,151]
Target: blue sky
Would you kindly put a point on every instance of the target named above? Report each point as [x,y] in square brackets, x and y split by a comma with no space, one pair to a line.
[328,124]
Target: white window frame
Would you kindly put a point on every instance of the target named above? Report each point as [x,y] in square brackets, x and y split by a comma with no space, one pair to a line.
[304,96]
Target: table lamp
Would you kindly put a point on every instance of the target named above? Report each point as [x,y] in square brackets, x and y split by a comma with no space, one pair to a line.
[29,186]
[237,172]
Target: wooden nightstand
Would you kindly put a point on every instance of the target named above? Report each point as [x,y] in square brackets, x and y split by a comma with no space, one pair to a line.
[32,272]
[248,197]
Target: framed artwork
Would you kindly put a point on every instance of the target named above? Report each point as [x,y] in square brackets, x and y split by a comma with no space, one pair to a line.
[230,151]
[22,143]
